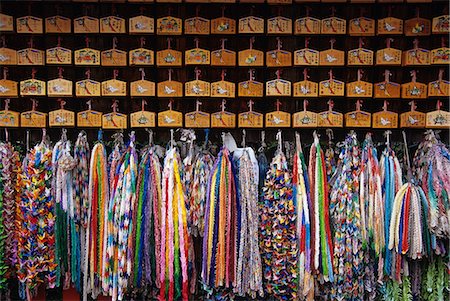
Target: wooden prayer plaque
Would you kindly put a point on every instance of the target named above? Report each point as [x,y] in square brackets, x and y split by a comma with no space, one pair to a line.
[8,88]
[8,56]
[390,25]
[305,119]
[223,57]
[114,57]
[197,26]
[59,87]
[278,58]
[250,119]
[306,88]
[439,88]
[278,119]
[334,25]
[417,27]
[360,57]
[113,121]
[414,90]
[197,119]
[251,25]
[250,89]
[89,119]
[32,87]
[198,88]
[30,57]
[331,57]
[359,89]
[141,57]
[61,118]
[223,89]
[441,24]
[58,24]
[114,87]
[385,120]
[9,119]
[223,119]
[416,57]
[6,23]
[112,24]
[306,57]
[251,58]
[223,25]
[358,119]
[87,57]
[279,25]
[29,24]
[389,57]
[141,24]
[330,119]
[142,88]
[170,88]
[278,87]
[143,119]
[58,56]
[170,118]
[33,119]
[307,25]
[387,90]
[169,26]
[361,26]
[331,88]
[87,88]
[440,56]
[434,120]
[412,119]
[197,56]
[169,57]
[86,24]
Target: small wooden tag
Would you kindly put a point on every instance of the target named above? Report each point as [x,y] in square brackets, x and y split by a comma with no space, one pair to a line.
[87,57]
[387,90]
[330,119]
[251,24]
[331,88]
[358,119]
[8,56]
[32,87]
[223,25]
[143,119]
[114,57]
[8,88]
[86,24]
[197,56]
[196,25]
[334,25]
[307,25]
[250,89]
[89,119]
[114,87]
[58,24]
[112,24]
[33,119]
[141,24]
[9,119]
[412,119]
[197,119]
[223,119]
[61,117]
[359,88]
[250,119]
[170,118]
[6,23]
[141,57]
[305,119]
[439,88]
[251,58]
[414,90]
[198,88]
[87,87]
[169,26]
[389,57]
[362,26]
[417,27]
[278,58]
[385,120]
[278,87]
[331,57]
[223,57]
[30,56]
[223,89]
[390,25]
[170,88]
[306,88]
[59,87]
[114,121]
[58,56]
[440,56]
[306,57]
[441,24]
[278,119]
[436,119]
[142,88]
[279,25]
[29,24]
[169,57]
[416,57]
[360,57]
